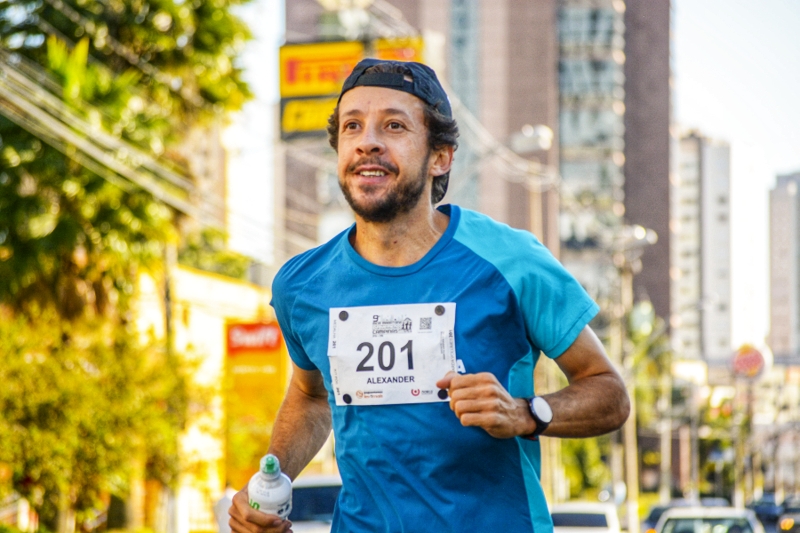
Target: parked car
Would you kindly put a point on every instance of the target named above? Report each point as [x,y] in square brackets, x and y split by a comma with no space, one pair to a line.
[585,517]
[697,519]
[650,521]
[313,501]
[767,508]
[791,504]
[715,502]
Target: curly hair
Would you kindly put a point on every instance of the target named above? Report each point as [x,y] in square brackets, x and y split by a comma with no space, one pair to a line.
[442,131]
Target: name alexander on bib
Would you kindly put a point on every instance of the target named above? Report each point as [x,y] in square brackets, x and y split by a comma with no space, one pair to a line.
[392,379]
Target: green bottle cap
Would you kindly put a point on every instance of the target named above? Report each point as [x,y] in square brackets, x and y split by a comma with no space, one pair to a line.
[270,465]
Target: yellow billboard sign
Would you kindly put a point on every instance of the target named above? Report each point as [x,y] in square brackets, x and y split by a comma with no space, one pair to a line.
[399,49]
[306,115]
[317,68]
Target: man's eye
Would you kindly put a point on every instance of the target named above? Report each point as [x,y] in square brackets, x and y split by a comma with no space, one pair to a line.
[350,126]
[395,126]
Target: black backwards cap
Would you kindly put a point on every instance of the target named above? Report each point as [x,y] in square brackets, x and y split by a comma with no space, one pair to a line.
[424,85]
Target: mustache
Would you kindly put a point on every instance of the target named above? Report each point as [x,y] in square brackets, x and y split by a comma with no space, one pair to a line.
[373,161]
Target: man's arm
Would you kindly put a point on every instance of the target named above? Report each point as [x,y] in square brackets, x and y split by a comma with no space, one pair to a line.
[595,401]
[301,428]
[303,422]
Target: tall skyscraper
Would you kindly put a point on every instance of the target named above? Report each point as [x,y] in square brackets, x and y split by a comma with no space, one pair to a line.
[647,141]
[614,70]
[700,252]
[591,79]
[784,254]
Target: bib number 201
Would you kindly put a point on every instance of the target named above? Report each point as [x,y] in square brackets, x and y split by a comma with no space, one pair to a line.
[386,356]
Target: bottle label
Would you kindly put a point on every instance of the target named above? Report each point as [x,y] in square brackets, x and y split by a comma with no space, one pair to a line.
[281,509]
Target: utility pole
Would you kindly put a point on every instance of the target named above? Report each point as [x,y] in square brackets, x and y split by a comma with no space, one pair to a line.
[629,429]
[665,428]
[628,246]
[739,437]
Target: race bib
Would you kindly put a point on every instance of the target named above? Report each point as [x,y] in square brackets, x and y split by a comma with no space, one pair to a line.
[391,354]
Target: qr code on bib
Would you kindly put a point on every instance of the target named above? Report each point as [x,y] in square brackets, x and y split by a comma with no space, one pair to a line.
[425,324]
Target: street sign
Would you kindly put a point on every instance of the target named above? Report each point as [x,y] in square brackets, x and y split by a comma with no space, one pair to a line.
[312,75]
[256,369]
[748,362]
[316,69]
[399,49]
[305,116]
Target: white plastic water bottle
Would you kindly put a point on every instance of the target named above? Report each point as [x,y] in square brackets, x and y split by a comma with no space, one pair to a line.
[269,490]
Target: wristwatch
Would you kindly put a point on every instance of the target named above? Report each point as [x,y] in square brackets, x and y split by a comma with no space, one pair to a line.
[542,414]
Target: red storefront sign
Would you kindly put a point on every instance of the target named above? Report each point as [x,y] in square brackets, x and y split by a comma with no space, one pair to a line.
[253,337]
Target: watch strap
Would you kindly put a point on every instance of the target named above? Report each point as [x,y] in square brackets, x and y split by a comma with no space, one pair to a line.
[541,425]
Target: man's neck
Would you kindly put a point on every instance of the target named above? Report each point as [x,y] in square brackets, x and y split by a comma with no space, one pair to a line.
[403,241]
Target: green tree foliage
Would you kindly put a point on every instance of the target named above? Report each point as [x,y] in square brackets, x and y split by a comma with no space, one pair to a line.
[650,354]
[584,465]
[80,395]
[78,401]
[207,250]
[144,71]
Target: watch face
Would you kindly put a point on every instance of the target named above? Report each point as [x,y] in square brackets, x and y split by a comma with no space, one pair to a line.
[542,409]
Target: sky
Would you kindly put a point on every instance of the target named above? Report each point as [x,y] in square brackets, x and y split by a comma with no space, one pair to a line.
[250,137]
[736,67]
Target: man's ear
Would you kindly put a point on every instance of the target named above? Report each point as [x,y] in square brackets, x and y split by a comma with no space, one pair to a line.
[441,161]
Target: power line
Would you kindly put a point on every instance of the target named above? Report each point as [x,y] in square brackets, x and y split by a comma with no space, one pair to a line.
[28,100]
[27,83]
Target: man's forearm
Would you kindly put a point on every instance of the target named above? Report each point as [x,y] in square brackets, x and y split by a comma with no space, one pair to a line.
[591,407]
[301,428]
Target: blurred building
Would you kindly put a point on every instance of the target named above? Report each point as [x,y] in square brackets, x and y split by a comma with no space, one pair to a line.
[592,84]
[784,253]
[615,117]
[701,254]
[199,314]
[648,140]
[777,413]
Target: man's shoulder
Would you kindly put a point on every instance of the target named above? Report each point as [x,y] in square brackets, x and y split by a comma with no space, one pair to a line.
[304,266]
[485,234]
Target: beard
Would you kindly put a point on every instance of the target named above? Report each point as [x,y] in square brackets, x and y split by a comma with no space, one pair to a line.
[401,197]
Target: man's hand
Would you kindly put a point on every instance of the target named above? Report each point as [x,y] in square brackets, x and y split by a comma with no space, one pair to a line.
[480,400]
[245,519]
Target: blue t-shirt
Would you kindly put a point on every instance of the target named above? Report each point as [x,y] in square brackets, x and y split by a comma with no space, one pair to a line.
[414,467]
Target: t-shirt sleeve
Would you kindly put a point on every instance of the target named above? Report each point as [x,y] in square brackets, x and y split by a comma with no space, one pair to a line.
[555,306]
[283,299]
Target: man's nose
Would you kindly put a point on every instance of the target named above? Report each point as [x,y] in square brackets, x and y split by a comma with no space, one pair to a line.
[370,141]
